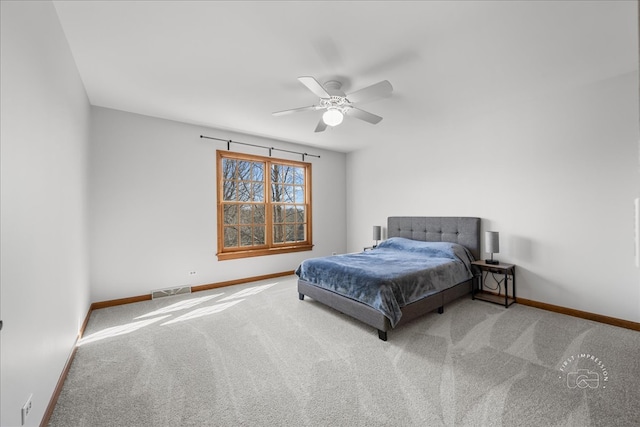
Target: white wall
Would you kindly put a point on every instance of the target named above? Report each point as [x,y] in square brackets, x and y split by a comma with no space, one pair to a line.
[44,294]
[153,205]
[556,175]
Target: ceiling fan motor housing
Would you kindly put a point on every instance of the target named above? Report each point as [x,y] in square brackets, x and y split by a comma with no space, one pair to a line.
[333,88]
[338,100]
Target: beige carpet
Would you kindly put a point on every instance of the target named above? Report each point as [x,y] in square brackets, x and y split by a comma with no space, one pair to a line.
[255,355]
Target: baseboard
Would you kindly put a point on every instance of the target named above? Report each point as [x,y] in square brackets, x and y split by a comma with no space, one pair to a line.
[84,324]
[119,301]
[627,324]
[58,389]
[139,298]
[240,281]
[63,376]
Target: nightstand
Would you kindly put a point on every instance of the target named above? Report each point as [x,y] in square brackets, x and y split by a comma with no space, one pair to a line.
[508,271]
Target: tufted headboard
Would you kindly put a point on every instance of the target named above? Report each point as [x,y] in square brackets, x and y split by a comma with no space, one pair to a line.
[462,230]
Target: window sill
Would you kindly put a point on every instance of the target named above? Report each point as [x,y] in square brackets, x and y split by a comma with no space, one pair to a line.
[262,252]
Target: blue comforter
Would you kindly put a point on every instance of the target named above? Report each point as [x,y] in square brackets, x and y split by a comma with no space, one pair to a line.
[396,273]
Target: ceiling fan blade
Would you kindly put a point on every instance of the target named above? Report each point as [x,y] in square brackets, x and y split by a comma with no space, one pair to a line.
[297,110]
[315,87]
[377,90]
[321,126]
[363,115]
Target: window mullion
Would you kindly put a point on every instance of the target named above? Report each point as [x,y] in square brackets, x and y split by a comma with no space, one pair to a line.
[268,202]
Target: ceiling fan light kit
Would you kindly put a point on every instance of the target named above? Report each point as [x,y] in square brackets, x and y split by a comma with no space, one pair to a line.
[337,104]
[332,117]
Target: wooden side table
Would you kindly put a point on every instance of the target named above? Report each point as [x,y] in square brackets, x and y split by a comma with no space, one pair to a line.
[509,273]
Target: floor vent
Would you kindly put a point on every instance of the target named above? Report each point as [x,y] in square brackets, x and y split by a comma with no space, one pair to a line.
[170,291]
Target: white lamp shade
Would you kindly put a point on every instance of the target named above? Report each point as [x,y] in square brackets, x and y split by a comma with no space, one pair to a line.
[492,242]
[376,232]
[332,117]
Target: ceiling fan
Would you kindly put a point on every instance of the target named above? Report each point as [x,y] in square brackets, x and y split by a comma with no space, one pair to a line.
[337,104]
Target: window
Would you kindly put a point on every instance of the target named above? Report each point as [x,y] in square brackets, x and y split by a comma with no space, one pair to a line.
[264,205]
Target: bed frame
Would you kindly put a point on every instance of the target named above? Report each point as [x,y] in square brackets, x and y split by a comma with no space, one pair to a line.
[462,230]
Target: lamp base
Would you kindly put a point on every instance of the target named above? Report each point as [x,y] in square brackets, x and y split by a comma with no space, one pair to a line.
[491,261]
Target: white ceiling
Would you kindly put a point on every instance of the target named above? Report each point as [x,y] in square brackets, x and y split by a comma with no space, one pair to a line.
[230,64]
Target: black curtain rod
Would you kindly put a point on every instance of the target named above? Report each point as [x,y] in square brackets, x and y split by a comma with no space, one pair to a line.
[228,141]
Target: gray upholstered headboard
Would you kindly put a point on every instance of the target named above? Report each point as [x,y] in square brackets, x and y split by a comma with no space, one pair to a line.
[462,230]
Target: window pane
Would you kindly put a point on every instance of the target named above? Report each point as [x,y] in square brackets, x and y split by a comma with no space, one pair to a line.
[276,173]
[258,172]
[228,168]
[288,194]
[278,214]
[246,236]
[277,193]
[300,214]
[289,230]
[299,194]
[258,214]
[299,177]
[278,234]
[288,172]
[258,236]
[244,191]
[229,191]
[244,169]
[246,214]
[292,191]
[230,237]
[258,191]
[300,233]
[230,214]
[290,214]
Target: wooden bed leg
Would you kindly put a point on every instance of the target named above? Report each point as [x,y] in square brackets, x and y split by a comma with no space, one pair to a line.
[300,296]
[382,335]
[441,309]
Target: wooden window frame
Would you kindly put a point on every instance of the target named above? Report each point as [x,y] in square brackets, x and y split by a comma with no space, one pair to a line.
[269,248]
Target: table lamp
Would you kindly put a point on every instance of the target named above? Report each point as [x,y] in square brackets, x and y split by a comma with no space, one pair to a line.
[492,245]
[376,234]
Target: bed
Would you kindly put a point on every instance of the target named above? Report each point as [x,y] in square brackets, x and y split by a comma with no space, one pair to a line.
[388,297]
